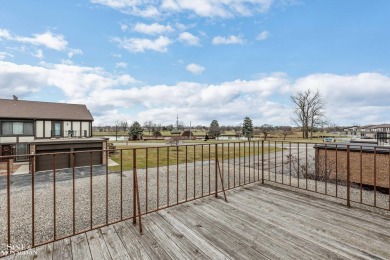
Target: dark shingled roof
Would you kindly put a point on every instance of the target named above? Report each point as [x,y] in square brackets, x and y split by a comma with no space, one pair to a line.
[23,109]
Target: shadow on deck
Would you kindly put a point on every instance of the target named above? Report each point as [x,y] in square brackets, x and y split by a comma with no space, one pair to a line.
[258,222]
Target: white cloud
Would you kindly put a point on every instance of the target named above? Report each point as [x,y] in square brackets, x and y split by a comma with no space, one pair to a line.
[204,8]
[38,54]
[74,81]
[141,45]
[5,34]
[189,38]
[362,98]
[144,8]
[73,52]
[232,39]
[262,36]
[48,39]
[4,55]
[195,68]
[218,8]
[152,29]
[122,65]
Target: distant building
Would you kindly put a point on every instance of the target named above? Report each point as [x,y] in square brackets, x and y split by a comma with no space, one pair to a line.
[28,127]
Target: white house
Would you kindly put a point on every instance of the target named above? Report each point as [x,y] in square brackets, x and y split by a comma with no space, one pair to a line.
[45,127]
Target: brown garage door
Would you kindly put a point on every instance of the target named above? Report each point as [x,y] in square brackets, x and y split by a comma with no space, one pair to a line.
[83,156]
[46,162]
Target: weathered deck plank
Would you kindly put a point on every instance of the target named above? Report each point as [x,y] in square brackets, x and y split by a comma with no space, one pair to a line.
[201,243]
[148,242]
[178,238]
[97,245]
[62,249]
[80,248]
[133,247]
[274,241]
[163,239]
[297,221]
[114,243]
[258,222]
[218,237]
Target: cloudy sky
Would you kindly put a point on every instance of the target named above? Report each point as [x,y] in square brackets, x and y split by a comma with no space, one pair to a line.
[202,59]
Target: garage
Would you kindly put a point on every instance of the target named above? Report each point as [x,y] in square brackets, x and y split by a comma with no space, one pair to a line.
[46,162]
[83,157]
[63,158]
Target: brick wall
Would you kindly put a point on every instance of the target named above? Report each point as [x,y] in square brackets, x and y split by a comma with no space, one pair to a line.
[362,166]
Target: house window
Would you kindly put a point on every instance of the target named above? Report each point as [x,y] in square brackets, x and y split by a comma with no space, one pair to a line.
[17,128]
[57,129]
[7,128]
[28,129]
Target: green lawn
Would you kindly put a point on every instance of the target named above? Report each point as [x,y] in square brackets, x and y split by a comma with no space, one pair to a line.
[147,157]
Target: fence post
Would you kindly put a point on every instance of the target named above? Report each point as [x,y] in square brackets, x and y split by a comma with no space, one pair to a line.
[8,204]
[134,186]
[262,162]
[216,171]
[348,178]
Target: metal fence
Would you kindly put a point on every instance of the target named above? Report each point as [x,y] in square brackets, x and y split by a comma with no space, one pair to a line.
[42,207]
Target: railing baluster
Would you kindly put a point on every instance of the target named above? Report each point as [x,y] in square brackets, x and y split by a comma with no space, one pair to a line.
[54,197]
[234,164]
[73,191]
[216,170]
[186,173]
[244,164]
[337,166]
[228,165]
[194,171]
[158,178]
[146,178]
[326,169]
[239,164]
[134,187]
[262,162]
[107,151]
[33,198]
[348,177]
[298,163]
[8,204]
[121,183]
[91,191]
[177,174]
[283,161]
[375,176]
[202,171]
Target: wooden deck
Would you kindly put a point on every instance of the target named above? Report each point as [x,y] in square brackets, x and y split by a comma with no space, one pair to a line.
[258,222]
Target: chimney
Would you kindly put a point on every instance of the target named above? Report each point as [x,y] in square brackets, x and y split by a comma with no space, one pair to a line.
[15,97]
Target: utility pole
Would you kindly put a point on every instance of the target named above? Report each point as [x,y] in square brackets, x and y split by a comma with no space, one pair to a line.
[190,130]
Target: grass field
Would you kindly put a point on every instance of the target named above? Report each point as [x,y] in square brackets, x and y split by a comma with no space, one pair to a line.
[147,157]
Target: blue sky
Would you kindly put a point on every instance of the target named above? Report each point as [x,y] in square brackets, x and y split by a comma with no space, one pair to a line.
[206,59]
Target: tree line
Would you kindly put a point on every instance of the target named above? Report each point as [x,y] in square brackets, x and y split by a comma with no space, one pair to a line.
[308,115]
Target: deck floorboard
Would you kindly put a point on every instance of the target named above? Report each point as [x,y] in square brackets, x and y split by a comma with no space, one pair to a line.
[257,222]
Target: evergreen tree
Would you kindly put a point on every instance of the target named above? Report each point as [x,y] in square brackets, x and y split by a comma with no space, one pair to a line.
[214,130]
[135,131]
[247,128]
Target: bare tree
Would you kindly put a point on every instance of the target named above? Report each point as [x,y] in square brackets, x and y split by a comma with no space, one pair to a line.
[124,126]
[285,130]
[117,125]
[148,125]
[309,110]
[266,130]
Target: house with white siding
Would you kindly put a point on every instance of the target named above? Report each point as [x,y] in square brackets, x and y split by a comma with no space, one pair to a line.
[28,127]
